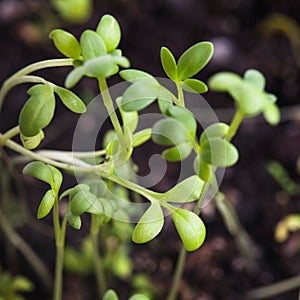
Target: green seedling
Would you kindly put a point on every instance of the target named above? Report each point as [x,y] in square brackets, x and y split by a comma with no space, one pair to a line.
[104,191]
[12,287]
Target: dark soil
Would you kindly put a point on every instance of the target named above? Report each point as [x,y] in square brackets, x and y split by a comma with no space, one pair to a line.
[217,270]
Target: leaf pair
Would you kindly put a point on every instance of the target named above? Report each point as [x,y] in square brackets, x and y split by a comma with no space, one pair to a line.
[248,93]
[38,111]
[82,199]
[96,54]
[50,175]
[189,64]
[177,130]
[105,39]
[215,150]
[189,226]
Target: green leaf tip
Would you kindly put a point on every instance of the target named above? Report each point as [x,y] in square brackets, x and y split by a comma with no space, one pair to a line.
[168,63]
[194,59]
[190,228]
[66,43]
[109,30]
[110,295]
[38,111]
[150,224]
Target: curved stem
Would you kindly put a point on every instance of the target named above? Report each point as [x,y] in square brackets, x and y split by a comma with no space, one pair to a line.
[178,275]
[275,288]
[13,80]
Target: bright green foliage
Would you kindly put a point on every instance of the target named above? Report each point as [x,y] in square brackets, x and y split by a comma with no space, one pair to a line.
[248,93]
[178,130]
[32,142]
[215,150]
[168,63]
[189,64]
[186,191]
[109,30]
[11,287]
[110,295]
[150,224]
[141,137]
[74,11]
[70,100]
[190,228]
[66,43]
[44,172]
[133,75]
[129,118]
[38,111]
[46,204]
[194,86]
[50,175]
[91,45]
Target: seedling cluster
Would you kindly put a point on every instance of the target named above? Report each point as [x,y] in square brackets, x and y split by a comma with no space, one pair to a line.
[96,55]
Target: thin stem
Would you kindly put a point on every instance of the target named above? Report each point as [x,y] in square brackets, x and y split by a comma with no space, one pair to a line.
[17,241]
[9,134]
[99,270]
[178,275]
[180,95]
[110,108]
[9,83]
[275,288]
[234,125]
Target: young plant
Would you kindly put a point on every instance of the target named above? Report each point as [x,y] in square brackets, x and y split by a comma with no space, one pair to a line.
[101,193]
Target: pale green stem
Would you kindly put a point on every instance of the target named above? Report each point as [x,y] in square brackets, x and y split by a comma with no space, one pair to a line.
[234,125]
[98,264]
[110,109]
[180,95]
[177,275]
[60,233]
[275,288]
[11,82]
[9,134]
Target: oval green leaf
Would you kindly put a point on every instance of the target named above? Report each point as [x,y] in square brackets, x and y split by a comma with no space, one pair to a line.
[194,86]
[190,228]
[133,75]
[169,132]
[39,170]
[82,201]
[66,43]
[91,45]
[110,295]
[215,130]
[168,62]
[74,220]
[224,81]
[150,224]
[140,94]
[141,137]
[38,111]
[219,152]
[46,204]
[103,66]
[194,59]
[187,190]
[74,76]
[109,30]
[178,153]
[272,114]
[256,78]
[70,100]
